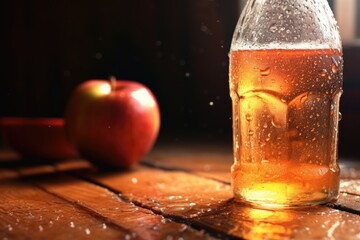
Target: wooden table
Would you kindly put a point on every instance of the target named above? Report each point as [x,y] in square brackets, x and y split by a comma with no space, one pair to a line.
[177,193]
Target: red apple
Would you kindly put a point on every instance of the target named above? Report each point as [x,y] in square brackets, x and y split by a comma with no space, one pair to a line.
[112,123]
[37,137]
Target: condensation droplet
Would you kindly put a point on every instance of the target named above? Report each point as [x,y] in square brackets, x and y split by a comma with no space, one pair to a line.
[323,72]
[248,117]
[251,132]
[265,72]
[334,65]
[275,123]
[273,28]
[303,98]
[340,116]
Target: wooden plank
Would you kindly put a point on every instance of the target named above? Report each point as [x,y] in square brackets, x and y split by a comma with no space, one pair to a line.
[8,174]
[26,212]
[304,223]
[110,207]
[211,164]
[214,161]
[206,203]
[211,161]
[348,202]
[166,191]
[350,169]
[349,198]
[350,186]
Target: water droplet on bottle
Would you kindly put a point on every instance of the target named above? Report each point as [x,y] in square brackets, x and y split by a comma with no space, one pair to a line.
[334,65]
[303,98]
[265,72]
[273,28]
[251,132]
[275,123]
[340,116]
[248,117]
[323,72]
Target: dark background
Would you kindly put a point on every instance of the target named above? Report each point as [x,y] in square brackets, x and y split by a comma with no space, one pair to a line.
[179,49]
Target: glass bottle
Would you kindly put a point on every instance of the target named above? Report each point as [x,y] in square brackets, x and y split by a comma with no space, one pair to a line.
[286,73]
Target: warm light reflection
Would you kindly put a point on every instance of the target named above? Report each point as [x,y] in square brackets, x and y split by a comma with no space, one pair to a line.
[271,215]
[105,88]
[267,224]
[143,96]
[273,192]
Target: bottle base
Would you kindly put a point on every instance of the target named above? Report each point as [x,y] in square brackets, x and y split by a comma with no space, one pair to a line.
[302,202]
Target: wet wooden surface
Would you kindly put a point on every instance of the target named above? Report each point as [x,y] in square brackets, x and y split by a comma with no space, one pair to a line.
[177,192]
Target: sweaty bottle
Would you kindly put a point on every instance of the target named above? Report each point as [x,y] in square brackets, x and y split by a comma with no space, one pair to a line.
[286,73]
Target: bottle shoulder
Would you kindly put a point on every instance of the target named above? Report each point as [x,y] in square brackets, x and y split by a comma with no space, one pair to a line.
[279,24]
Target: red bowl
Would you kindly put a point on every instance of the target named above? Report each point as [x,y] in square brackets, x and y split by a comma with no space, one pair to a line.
[37,137]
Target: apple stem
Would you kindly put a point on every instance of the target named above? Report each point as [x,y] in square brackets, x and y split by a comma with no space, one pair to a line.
[112,83]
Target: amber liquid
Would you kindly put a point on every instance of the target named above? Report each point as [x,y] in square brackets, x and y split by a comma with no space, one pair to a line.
[285,125]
